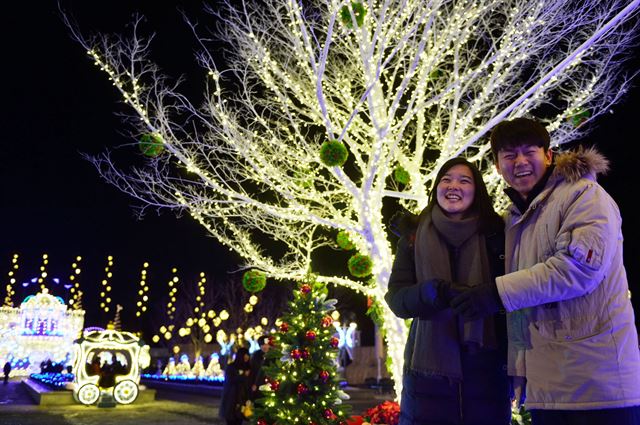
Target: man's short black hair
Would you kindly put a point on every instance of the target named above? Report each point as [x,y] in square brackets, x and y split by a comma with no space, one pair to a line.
[518,132]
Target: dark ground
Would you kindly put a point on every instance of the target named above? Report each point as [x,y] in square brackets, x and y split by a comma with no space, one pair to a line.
[171,407]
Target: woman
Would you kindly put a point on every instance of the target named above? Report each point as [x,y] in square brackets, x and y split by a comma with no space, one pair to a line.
[454,371]
[235,391]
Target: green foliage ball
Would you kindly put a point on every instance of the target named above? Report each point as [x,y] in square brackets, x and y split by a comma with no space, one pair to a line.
[401,175]
[359,13]
[254,281]
[343,241]
[579,117]
[360,265]
[151,144]
[333,153]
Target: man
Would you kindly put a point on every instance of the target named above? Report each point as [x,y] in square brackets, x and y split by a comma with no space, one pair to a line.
[571,325]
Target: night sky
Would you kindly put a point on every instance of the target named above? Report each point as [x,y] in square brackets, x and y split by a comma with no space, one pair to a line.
[56,106]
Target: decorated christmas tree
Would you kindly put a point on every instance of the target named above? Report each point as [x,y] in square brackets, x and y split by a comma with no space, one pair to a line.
[302,384]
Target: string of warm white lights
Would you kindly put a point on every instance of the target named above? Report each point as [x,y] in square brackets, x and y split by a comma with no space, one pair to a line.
[196,323]
[105,289]
[143,291]
[43,271]
[76,298]
[10,291]
[173,291]
[403,87]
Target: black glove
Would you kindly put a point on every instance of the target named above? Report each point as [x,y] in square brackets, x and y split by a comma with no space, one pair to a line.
[477,302]
[438,293]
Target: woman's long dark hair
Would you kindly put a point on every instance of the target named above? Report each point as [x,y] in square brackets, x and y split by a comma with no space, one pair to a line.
[489,220]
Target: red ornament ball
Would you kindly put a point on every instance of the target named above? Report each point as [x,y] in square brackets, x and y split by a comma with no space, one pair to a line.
[302,389]
[326,321]
[305,354]
[284,327]
[310,335]
[305,289]
[328,413]
[323,375]
[261,422]
[275,385]
[272,341]
[334,341]
[296,354]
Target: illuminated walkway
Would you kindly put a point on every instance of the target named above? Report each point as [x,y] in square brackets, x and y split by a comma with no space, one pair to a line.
[169,408]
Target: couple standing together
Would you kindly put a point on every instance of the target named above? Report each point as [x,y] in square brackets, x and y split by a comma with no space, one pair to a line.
[534,305]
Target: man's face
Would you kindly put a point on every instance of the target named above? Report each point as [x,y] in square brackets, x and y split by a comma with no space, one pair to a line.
[523,166]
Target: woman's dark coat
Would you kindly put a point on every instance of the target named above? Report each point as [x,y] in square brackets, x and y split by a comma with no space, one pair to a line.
[483,396]
[235,391]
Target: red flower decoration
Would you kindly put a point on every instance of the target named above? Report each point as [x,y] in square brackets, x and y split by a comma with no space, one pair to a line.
[388,412]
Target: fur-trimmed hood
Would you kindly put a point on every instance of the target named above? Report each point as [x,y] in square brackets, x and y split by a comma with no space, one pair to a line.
[573,165]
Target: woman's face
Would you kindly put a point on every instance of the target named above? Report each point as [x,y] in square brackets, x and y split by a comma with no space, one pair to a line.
[455,191]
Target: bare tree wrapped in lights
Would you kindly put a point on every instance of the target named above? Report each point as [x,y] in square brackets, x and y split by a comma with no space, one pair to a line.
[326,109]
[202,309]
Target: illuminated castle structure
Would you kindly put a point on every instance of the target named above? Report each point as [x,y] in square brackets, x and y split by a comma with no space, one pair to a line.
[40,329]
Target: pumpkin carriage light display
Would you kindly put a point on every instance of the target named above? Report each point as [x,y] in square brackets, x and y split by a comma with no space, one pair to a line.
[108,363]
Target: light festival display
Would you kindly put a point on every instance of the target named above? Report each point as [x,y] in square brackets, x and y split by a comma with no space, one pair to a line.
[184,372]
[395,88]
[346,341]
[41,329]
[108,362]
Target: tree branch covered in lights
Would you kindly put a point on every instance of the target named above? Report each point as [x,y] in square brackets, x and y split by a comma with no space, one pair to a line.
[403,85]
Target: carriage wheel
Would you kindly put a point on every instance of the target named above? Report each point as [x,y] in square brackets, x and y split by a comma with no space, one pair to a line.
[88,394]
[125,392]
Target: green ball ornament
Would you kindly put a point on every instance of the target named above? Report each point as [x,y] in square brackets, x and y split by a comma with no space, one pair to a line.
[343,241]
[360,265]
[435,74]
[579,117]
[151,144]
[401,175]
[254,281]
[359,13]
[333,153]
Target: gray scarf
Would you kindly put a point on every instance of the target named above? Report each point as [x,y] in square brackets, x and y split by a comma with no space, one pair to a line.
[437,341]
